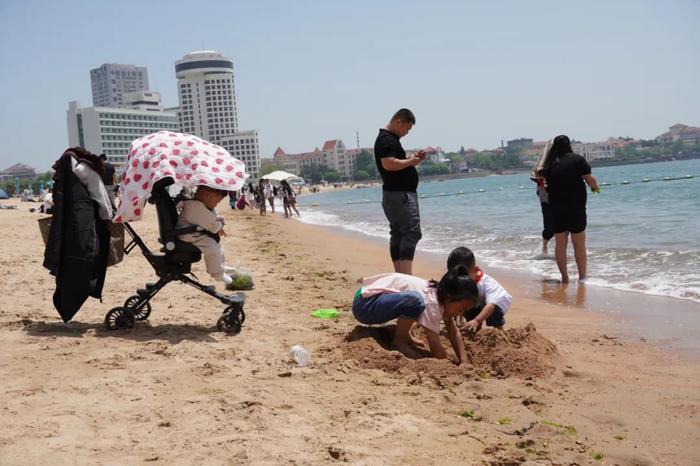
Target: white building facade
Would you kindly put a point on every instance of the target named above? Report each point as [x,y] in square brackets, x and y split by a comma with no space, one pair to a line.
[112,80]
[244,146]
[594,150]
[110,130]
[207,95]
[208,107]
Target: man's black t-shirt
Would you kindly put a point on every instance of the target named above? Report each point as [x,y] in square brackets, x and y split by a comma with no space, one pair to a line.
[388,145]
[108,176]
[565,180]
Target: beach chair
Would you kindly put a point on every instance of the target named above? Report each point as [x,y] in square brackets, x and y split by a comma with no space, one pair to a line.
[173,263]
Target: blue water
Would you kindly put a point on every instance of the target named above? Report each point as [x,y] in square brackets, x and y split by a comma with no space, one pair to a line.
[641,236]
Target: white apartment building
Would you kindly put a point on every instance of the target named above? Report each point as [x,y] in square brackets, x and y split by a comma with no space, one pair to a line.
[207,95]
[111,81]
[110,130]
[244,146]
[208,109]
[594,150]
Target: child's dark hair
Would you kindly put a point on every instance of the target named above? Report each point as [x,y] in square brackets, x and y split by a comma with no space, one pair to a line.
[455,285]
[461,256]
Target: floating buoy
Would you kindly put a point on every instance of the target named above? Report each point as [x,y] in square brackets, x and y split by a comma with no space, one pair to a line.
[522,187]
[646,180]
[625,182]
[442,194]
[688,176]
[666,178]
[460,192]
[482,190]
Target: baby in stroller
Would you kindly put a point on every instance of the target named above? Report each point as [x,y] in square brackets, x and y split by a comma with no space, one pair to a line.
[200,212]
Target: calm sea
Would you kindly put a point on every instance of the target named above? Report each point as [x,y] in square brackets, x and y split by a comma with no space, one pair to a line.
[642,236]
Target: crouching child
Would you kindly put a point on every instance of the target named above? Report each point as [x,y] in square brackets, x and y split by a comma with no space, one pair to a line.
[493,301]
[408,299]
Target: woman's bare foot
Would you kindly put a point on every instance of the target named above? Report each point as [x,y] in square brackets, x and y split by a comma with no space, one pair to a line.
[407,350]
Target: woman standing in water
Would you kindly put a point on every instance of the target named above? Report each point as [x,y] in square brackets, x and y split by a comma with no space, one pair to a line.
[565,173]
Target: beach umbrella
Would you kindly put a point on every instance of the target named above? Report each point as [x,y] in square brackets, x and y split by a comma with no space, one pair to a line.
[3,194]
[17,187]
[190,161]
[281,175]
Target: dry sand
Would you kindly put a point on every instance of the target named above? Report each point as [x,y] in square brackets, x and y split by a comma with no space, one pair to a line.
[560,386]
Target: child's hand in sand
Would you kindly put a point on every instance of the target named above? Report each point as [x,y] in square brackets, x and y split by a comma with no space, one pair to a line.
[222,232]
[473,325]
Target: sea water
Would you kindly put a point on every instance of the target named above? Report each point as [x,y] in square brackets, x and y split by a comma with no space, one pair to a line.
[643,231]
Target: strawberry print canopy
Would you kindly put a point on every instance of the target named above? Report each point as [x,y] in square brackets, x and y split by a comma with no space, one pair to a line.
[188,160]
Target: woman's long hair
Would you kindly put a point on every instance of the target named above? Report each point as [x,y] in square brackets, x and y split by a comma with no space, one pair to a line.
[455,285]
[561,145]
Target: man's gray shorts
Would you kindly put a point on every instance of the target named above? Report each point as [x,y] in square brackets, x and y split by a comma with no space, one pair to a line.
[401,209]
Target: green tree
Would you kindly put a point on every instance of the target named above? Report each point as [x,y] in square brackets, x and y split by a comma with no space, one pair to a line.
[269,166]
[365,163]
[331,176]
[677,147]
[361,175]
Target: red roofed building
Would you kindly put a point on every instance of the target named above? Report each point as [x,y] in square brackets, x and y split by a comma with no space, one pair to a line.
[332,154]
[684,133]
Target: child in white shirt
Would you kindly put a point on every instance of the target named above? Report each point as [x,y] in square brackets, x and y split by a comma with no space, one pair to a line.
[494,300]
[200,212]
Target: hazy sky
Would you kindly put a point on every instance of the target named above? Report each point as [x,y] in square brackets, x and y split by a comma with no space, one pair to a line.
[474,72]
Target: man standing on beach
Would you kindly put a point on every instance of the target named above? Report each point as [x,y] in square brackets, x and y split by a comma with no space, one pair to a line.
[400,181]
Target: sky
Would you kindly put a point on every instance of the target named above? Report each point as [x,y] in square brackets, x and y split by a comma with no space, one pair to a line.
[473,72]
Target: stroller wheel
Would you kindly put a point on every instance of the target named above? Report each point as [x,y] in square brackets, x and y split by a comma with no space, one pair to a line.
[229,323]
[235,308]
[119,318]
[141,314]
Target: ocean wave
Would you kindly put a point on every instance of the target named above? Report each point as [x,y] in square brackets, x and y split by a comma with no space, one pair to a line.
[652,272]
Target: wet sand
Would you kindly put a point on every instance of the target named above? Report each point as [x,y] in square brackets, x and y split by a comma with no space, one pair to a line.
[176,391]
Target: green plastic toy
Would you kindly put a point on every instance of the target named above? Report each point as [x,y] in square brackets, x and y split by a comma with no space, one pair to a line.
[325,313]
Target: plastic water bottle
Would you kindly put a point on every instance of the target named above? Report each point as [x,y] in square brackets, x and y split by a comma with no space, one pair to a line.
[300,355]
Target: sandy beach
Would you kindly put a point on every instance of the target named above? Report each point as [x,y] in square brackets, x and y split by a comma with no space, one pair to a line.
[562,385]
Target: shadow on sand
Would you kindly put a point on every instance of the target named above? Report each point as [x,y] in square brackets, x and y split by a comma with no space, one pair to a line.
[143,331]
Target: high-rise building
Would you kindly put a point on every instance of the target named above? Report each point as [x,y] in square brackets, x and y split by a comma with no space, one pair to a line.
[208,107]
[207,95]
[244,146]
[110,130]
[111,81]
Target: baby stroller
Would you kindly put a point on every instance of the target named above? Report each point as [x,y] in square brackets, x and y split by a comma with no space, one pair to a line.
[154,163]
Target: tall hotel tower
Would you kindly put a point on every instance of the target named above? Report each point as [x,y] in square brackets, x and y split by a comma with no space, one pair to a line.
[208,105]
[207,95]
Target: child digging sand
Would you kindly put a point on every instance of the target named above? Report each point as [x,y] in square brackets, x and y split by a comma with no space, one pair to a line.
[410,299]
[200,212]
[493,302]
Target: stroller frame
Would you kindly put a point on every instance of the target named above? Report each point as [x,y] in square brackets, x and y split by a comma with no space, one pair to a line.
[173,264]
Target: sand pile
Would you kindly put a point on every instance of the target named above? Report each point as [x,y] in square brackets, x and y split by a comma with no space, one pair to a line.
[517,352]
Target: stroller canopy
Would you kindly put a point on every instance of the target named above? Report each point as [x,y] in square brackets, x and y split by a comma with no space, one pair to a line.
[190,161]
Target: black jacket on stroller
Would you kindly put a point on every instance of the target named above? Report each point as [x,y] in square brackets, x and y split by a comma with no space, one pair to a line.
[77,247]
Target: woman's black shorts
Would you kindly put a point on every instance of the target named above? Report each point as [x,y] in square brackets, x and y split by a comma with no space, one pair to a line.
[568,218]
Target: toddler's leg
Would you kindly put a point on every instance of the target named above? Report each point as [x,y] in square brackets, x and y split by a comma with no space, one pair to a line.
[213,258]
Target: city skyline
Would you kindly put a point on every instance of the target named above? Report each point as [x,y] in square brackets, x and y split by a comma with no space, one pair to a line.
[474,74]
